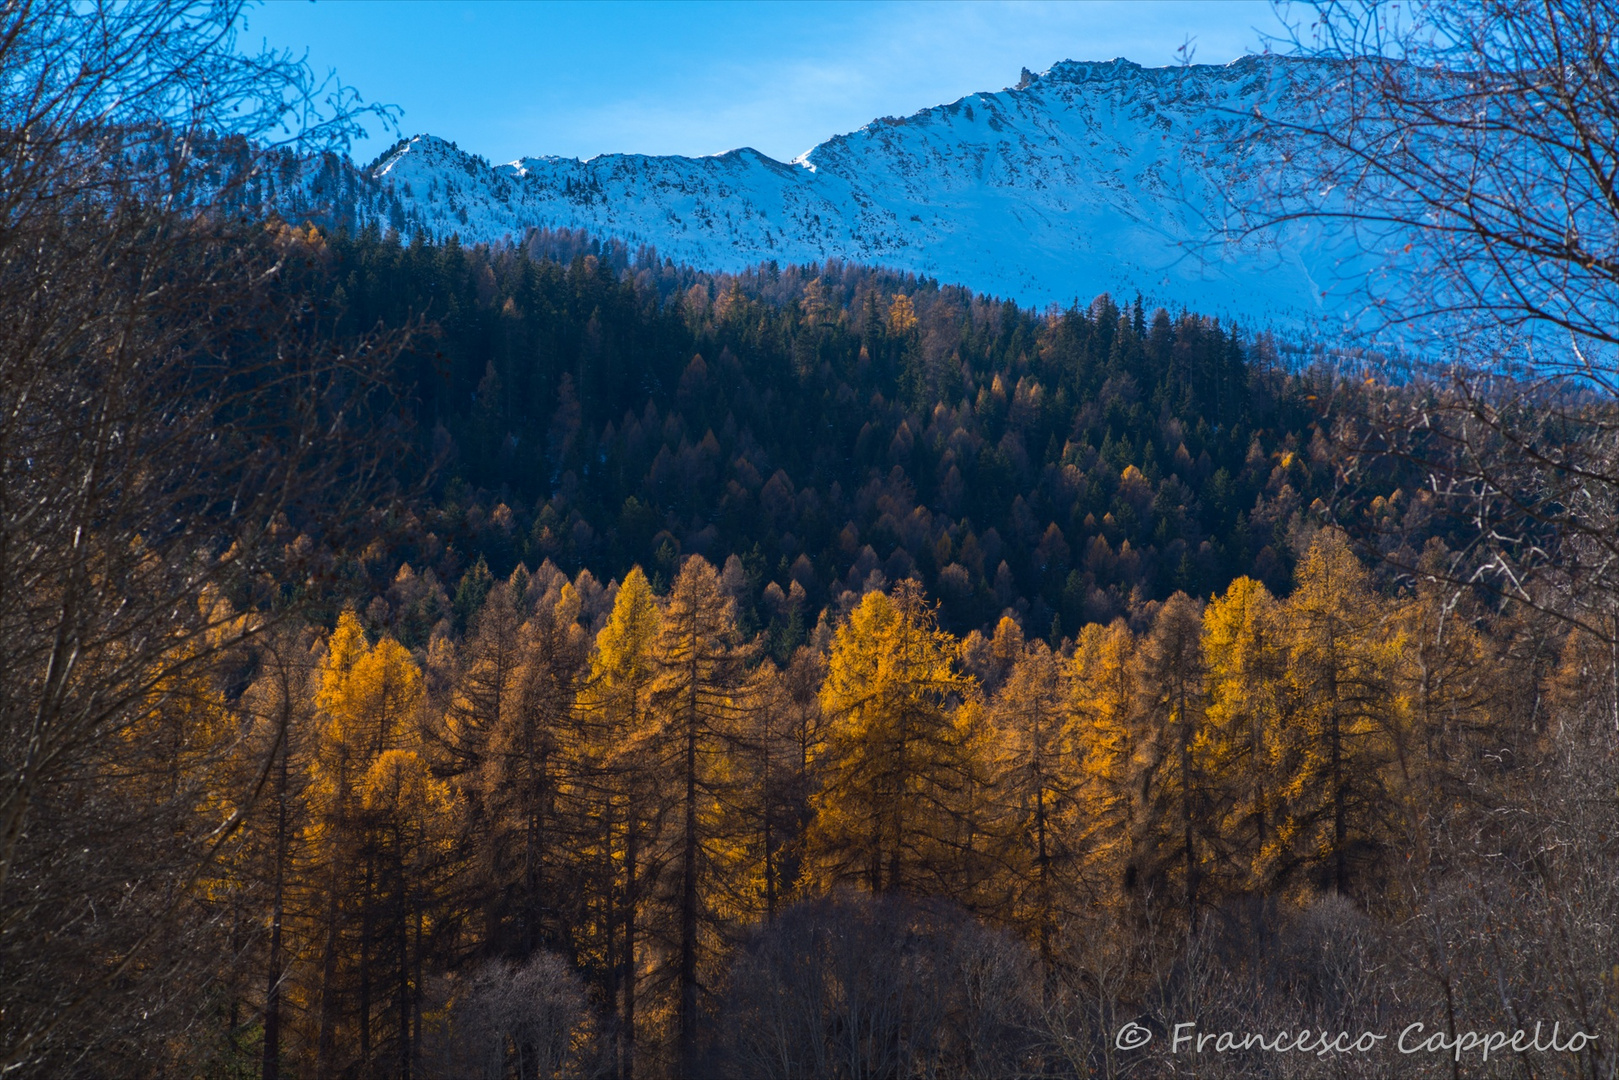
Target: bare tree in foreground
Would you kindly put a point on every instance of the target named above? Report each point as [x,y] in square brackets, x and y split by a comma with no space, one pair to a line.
[1486,137]
[174,421]
[1477,148]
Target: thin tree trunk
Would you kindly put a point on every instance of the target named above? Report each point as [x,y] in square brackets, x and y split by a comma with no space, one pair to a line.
[365,970]
[1186,817]
[770,854]
[630,900]
[1043,870]
[610,913]
[416,1000]
[402,943]
[327,1045]
[688,887]
[272,994]
[1613,668]
[1340,822]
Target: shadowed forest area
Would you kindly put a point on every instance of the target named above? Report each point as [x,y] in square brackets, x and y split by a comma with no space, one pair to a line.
[822,424]
[544,660]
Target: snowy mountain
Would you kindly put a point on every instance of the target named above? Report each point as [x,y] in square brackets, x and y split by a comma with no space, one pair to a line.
[1090,177]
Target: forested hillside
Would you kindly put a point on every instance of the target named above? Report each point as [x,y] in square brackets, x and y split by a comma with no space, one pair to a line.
[834,428]
[665,715]
[555,662]
[689,695]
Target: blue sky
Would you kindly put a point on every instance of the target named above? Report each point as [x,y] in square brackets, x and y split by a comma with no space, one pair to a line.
[577,79]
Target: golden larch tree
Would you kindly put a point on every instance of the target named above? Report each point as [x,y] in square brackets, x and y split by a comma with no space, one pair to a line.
[1039,789]
[1246,664]
[619,787]
[700,671]
[1173,838]
[371,700]
[1105,688]
[1344,708]
[895,766]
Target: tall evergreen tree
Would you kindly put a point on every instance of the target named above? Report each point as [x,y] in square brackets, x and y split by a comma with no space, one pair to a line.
[699,667]
[622,785]
[1342,650]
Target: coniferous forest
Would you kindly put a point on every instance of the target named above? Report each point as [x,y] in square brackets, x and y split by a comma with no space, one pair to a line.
[546,660]
[823,423]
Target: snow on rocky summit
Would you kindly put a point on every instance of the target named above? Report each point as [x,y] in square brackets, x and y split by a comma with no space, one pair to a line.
[1089,178]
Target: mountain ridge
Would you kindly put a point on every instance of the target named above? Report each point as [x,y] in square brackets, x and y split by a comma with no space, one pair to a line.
[1089,177]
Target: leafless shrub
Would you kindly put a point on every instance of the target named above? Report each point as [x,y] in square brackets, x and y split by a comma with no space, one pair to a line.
[529,1021]
[850,986]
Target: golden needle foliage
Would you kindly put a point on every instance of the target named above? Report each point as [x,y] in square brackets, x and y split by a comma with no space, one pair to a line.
[618,777]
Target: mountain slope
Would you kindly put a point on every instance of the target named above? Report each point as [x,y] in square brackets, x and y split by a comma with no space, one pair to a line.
[1091,177]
